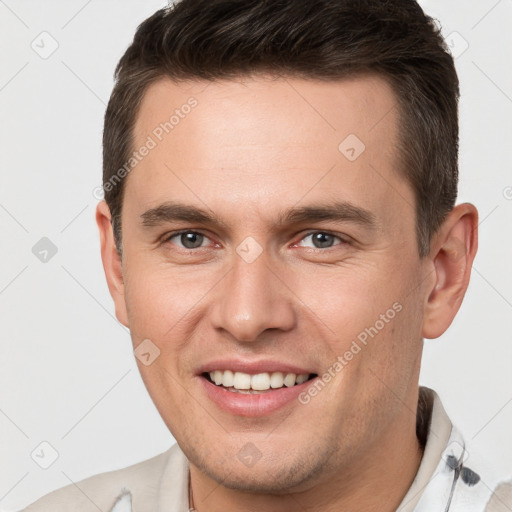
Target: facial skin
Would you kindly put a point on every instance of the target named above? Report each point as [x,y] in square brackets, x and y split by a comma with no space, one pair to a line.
[251,150]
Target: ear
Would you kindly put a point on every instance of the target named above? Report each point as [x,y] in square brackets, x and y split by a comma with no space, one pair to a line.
[453,250]
[112,264]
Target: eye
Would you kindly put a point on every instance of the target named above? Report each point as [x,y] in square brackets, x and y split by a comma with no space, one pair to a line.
[187,239]
[321,240]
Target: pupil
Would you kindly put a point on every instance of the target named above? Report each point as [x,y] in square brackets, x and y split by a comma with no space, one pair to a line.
[322,240]
[191,240]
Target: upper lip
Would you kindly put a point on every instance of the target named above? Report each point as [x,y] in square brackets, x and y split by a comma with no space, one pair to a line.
[252,367]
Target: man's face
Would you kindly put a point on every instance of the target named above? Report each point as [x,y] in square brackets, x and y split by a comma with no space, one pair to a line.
[305,253]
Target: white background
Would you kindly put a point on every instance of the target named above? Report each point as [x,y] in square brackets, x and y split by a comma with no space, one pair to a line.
[67,372]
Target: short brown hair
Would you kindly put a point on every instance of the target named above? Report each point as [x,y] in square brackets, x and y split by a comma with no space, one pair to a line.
[323,39]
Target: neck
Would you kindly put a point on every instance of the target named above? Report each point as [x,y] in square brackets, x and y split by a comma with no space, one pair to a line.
[376,481]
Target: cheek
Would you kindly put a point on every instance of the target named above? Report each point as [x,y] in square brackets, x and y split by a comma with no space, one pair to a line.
[160,300]
[374,318]
[351,298]
[392,355]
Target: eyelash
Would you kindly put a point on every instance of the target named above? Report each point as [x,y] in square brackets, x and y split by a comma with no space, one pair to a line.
[167,238]
[342,241]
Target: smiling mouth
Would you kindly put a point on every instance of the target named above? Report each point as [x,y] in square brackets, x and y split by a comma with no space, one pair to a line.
[245,383]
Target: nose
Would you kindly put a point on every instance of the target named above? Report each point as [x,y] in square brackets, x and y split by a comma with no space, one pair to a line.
[253,299]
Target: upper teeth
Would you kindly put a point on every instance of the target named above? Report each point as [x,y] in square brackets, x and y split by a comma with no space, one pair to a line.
[258,382]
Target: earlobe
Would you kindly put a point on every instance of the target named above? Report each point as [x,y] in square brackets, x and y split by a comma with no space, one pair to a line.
[453,250]
[112,264]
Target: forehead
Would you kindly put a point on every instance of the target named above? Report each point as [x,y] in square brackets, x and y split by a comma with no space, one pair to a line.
[260,141]
[287,106]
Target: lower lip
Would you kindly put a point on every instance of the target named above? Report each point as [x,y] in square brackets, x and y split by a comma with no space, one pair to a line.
[252,404]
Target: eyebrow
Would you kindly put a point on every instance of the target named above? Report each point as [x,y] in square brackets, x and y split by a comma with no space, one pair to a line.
[337,211]
[169,212]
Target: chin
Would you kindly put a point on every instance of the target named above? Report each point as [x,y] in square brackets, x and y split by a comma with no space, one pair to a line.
[263,481]
[271,475]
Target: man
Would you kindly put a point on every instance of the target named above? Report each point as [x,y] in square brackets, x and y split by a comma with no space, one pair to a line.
[279,233]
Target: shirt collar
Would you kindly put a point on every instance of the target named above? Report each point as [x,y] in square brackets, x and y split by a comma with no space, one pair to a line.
[434,428]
